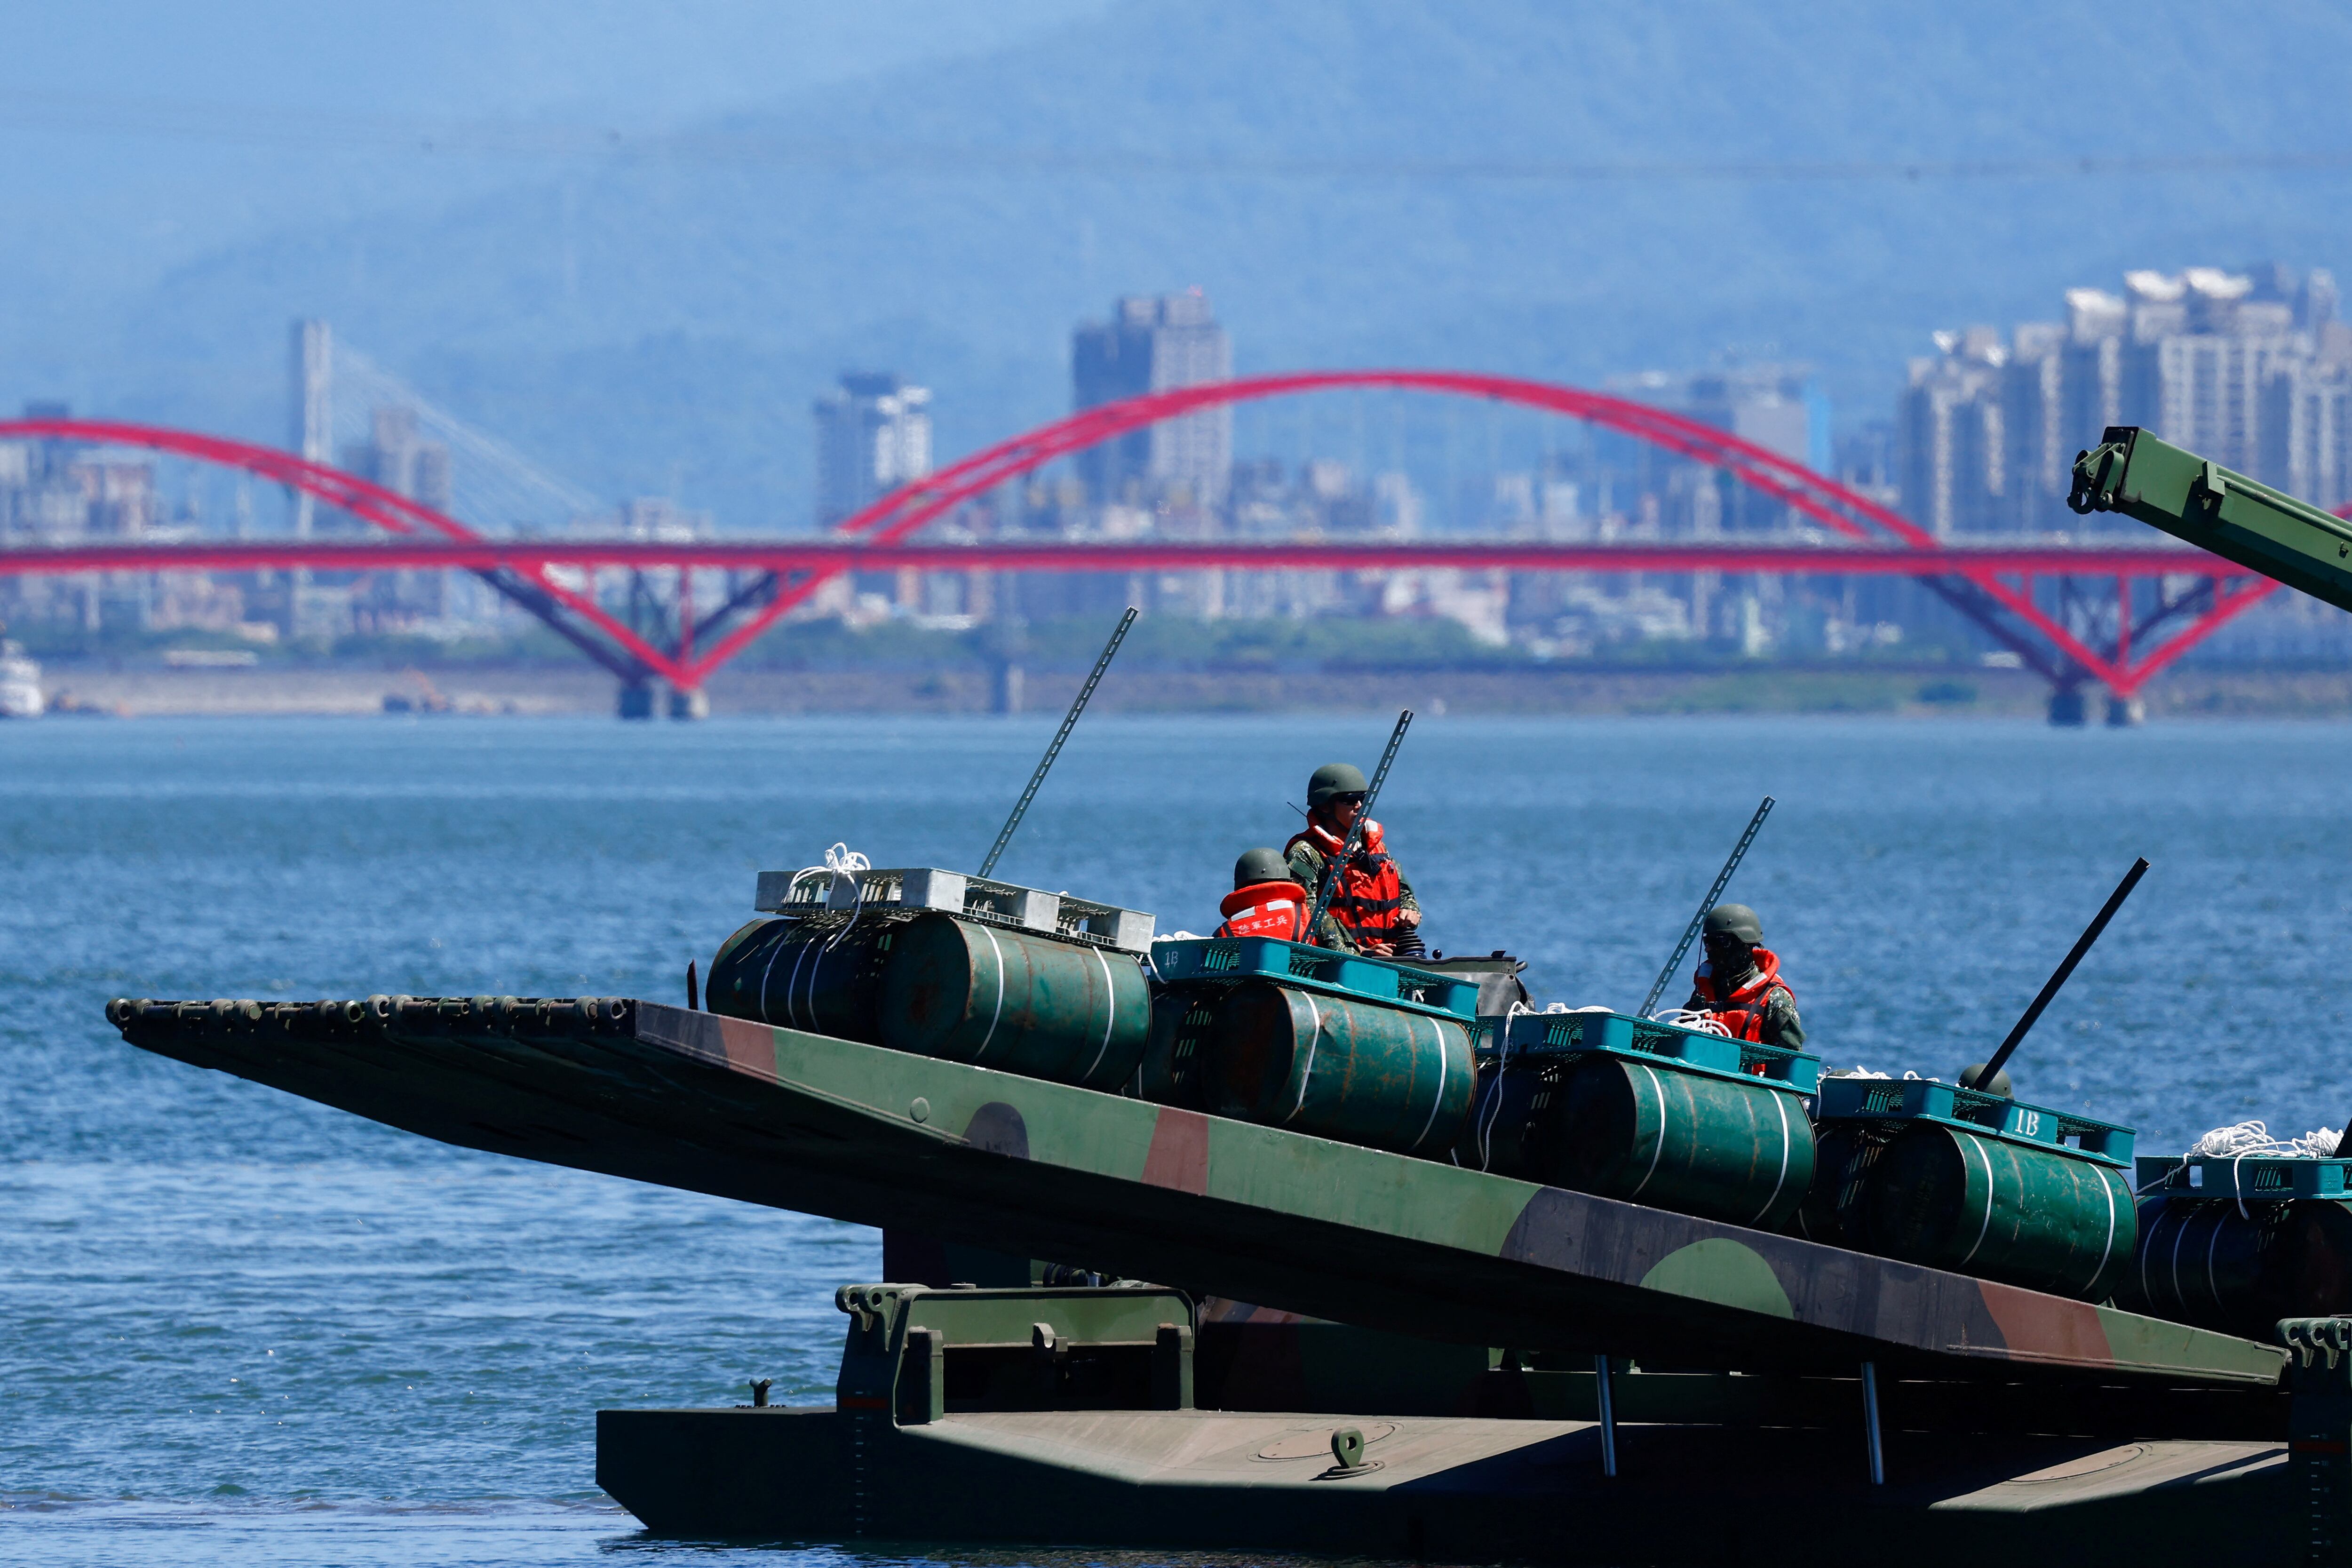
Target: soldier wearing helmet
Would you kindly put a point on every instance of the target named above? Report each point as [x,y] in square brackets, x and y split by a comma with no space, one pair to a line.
[1740,981]
[1372,909]
[1265,900]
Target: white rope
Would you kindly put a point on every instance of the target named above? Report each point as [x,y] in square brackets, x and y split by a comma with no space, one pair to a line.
[1697,1020]
[843,862]
[1493,1106]
[2242,1138]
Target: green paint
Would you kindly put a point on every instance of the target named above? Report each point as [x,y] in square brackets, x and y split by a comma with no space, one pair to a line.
[1071,1127]
[646,1091]
[1736,1149]
[972,993]
[2157,1344]
[1725,1272]
[1996,1208]
[1345,1069]
[2215,507]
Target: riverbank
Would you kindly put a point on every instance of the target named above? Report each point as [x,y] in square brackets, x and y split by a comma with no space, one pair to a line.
[1925,691]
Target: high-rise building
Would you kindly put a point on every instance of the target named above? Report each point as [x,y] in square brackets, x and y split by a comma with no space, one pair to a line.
[398,455]
[2251,369]
[1950,436]
[1780,407]
[1154,345]
[872,435]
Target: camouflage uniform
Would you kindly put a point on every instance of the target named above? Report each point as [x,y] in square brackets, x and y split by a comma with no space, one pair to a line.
[1781,1027]
[1307,862]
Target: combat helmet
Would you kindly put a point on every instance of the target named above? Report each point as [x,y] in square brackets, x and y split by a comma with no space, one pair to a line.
[1257,865]
[1332,780]
[1736,921]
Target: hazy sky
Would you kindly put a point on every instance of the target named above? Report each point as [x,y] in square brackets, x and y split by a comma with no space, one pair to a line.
[485,198]
[138,133]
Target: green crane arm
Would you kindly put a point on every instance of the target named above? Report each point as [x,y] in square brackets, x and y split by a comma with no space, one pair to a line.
[2236,518]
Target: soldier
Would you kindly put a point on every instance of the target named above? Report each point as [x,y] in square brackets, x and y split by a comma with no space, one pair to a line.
[1372,909]
[1264,901]
[1753,1003]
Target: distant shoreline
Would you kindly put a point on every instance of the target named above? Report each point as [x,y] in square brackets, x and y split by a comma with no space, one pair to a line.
[156,692]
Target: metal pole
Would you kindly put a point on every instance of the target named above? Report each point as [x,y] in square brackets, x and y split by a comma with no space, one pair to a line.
[2082,946]
[1690,931]
[1608,1416]
[1870,1422]
[1330,879]
[1046,763]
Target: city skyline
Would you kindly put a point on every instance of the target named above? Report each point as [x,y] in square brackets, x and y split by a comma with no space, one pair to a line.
[1535,191]
[873,431]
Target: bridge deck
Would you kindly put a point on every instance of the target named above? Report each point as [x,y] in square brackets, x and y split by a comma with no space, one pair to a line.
[828,1126]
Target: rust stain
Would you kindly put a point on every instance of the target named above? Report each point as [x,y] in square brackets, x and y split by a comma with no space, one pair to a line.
[750,1048]
[2046,1327]
[1180,1152]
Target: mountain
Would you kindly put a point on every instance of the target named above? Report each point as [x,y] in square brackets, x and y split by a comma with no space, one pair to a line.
[1539,187]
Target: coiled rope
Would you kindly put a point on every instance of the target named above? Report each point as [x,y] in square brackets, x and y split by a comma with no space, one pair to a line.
[2236,1142]
[2244,1138]
[1694,1019]
[842,861]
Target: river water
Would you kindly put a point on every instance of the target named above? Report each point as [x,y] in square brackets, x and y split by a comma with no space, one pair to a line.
[238,1328]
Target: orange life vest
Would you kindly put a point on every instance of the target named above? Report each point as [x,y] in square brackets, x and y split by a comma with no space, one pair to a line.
[1277,909]
[1742,1010]
[1368,893]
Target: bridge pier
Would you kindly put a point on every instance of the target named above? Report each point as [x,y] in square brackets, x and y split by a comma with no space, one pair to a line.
[2070,709]
[644,699]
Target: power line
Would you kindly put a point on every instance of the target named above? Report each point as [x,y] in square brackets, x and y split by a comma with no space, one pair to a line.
[313,131]
[500,486]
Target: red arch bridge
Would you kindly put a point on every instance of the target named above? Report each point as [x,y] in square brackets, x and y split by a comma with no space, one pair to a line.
[2078,614]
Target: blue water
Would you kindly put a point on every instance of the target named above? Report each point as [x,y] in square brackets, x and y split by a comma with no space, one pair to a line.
[238,1328]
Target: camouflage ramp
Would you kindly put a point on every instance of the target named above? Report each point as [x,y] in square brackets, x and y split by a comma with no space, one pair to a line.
[828,1126]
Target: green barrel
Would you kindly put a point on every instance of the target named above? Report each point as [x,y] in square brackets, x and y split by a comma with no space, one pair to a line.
[823,974]
[1512,1120]
[1349,1070]
[1844,1153]
[1998,1209]
[1029,1004]
[2204,1261]
[2198,1262]
[1721,1148]
[1175,1068]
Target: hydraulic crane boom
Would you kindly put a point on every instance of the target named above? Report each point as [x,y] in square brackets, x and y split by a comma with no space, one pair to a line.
[2236,518]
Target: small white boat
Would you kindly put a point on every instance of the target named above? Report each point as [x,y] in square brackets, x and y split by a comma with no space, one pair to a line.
[20,683]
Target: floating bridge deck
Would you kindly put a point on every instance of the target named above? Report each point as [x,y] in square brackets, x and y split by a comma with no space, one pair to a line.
[856,1132]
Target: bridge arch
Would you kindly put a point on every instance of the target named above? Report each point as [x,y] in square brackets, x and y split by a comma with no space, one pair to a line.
[371,502]
[1984,595]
